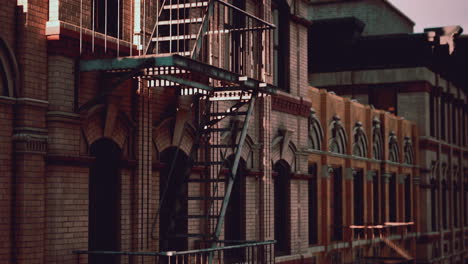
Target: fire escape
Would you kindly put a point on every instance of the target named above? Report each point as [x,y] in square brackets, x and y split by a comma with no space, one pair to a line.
[381,235]
[215,52]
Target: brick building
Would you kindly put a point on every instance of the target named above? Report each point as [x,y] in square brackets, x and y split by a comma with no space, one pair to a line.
[416,75]
[123,120]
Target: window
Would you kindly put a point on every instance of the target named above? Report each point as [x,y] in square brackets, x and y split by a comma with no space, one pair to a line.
[455,204]
[392,197]
[454,123]
[104,200]
[375,200]
[337,205]
[281,38]
[234,227]
[432,114]
[173,212]
[442,117]
[106,17]
[281,186]
[465,202]
[359,199]
[444,205]
[313,210]
[434,204]
[236,21]
[408,199]
[383,207]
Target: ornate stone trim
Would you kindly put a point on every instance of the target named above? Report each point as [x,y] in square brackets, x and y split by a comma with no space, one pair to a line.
[291,106]
[30,143]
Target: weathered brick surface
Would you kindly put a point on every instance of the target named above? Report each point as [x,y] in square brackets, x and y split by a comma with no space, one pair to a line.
[50,181]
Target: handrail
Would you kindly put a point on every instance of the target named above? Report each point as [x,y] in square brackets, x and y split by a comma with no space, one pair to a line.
[174,253]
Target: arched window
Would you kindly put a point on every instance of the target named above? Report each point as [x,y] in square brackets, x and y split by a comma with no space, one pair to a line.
[281,13]
[174,210]
[315,131]
[377,140]
[360,141]
[234,223]
[313,205]
[409,152]
[338,140]
[393,147]
[104,200]
[282,211]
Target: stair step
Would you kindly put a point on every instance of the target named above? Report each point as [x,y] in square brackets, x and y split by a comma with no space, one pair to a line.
[180,21]
[178,37]
[206,180]
[205,198]
[186,5]
[233,113]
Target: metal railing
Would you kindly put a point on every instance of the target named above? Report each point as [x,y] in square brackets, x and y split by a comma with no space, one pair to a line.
[238,252]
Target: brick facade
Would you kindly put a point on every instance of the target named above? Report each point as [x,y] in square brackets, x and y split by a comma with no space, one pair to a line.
[48,141]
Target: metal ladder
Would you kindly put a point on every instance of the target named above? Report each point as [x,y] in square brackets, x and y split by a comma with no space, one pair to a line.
[178,25]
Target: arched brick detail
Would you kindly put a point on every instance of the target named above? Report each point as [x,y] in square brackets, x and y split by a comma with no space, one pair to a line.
[93,128]
[162,137]
[289,154]
[247,152]
[9,71]
[162,134]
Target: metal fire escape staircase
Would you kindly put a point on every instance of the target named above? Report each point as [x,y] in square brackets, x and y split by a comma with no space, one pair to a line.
[179,56]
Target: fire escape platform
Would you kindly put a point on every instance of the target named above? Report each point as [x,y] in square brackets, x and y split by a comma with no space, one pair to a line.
[178,69]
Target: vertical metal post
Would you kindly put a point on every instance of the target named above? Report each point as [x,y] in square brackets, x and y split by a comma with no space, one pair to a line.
[92,37]
[105,26]
[81,26]
[118,27]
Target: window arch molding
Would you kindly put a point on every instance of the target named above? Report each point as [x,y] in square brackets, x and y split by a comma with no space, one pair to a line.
[360,140]
[315,131]
[338,140]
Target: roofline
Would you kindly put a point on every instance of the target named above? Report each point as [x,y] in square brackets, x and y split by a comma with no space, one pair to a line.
[393,7]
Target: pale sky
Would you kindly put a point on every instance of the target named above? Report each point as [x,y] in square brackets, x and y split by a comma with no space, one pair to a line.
[435,13]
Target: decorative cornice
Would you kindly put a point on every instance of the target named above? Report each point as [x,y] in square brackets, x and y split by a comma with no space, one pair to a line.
[7,100]
[282,103]
[32,102]
[30,143]
[59,116]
